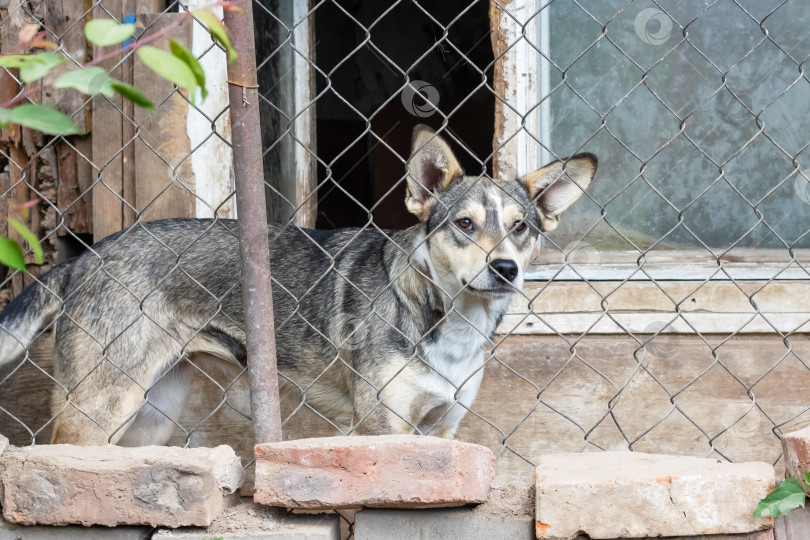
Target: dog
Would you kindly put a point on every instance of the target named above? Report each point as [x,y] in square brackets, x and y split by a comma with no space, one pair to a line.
[380,331]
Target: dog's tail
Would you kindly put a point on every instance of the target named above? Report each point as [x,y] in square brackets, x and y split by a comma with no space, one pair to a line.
[22,320]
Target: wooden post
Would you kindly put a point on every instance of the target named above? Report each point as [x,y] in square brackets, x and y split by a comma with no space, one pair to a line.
[108,216]
[306,166]
[516,83]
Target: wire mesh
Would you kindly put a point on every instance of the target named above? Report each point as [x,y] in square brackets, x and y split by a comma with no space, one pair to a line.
[665,314]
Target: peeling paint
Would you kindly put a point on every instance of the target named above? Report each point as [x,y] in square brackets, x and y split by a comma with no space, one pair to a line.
[212,162]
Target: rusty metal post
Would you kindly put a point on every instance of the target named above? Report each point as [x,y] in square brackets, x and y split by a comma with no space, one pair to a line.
[254,244]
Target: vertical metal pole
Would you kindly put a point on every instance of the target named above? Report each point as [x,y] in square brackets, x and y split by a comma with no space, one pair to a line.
[254,244]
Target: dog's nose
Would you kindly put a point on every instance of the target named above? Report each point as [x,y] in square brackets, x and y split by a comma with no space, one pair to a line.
[507,269]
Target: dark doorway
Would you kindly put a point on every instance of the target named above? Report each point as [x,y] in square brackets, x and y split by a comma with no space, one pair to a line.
[363,125]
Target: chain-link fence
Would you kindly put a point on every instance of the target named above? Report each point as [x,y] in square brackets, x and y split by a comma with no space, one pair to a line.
[665,313]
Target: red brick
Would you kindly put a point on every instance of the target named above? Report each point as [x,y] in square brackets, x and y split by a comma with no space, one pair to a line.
[796,447]
[401,471]
[109,485]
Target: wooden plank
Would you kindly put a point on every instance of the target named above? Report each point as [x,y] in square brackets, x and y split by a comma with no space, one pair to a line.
[585,261]
[163,141]
[128,183]
[584,253]
[9,89]
[684,271]
[60,19]
[642,307]
[85,171]
[645,323]
[277,86]
[507,408]
[212,162]
[74,208]
[108,209]
[5,293]
[306,166]
[17,192]
[130,166]
[713,297]
[19,171]
[26,396]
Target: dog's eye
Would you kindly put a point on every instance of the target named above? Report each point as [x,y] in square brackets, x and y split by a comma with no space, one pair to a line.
[465,223]
[519,226]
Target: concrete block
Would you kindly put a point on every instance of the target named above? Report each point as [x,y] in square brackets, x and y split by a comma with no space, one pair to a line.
[251,521]
[110,485]
[403,471]
[761,535]
[508,513]
[12,531]
[795,525]
[609,495]
[438,524]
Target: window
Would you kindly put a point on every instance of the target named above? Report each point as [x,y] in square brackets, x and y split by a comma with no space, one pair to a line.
[690,162]
[701,123]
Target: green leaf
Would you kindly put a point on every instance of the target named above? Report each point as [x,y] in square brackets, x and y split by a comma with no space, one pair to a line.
[169,67]
[43,118]
[5,117]
[131,93]
[14,60]
[11,254]
[216,30]
[29,237]
[91,81]
[40,65]
[32,66]
[789,495]
[807,478]
[186,56]
[107,31]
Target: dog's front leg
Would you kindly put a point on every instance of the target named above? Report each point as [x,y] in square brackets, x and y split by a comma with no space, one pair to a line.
[380,407]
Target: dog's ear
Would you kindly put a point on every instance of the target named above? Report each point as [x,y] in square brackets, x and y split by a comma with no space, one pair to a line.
[558,185]
[431,168]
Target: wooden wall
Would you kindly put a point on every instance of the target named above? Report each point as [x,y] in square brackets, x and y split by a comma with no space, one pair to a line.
[509,418]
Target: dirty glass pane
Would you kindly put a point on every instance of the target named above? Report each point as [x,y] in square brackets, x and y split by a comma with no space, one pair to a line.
[685,160]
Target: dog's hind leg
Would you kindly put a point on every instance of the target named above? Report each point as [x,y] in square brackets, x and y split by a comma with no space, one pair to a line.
[157,419]
[94,414]
[102,388]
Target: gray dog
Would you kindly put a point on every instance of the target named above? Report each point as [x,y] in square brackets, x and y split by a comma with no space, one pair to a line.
[384,330]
